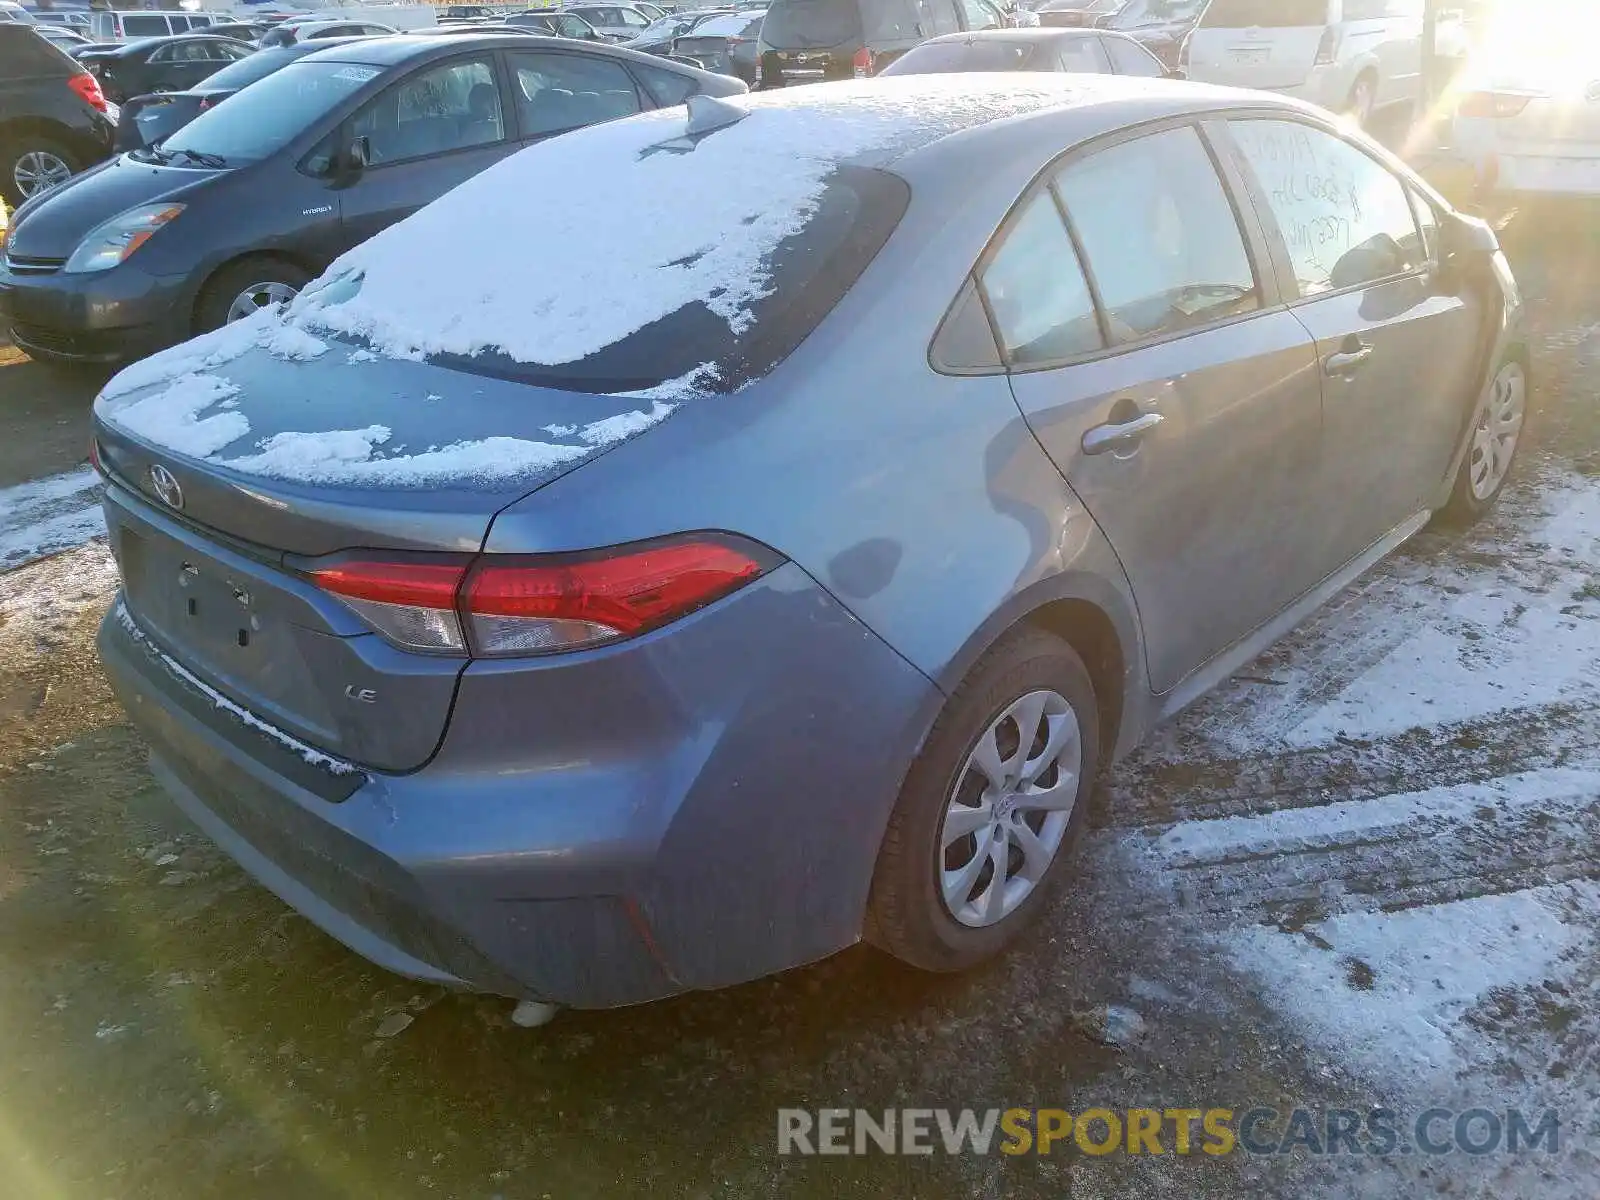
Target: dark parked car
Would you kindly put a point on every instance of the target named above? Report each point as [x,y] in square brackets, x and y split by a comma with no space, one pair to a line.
[725,44]
[592,718]
[53,119]
[147,119]
[1078,14]
[619,22]
[556,24]
[1160,26]
[1077,51]
[661,33]
[162,64]
[290,32]
[808,41]
[264,191]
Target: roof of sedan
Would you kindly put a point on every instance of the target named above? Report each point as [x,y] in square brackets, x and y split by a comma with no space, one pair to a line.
[399,48]
[143,45]
[1032,33]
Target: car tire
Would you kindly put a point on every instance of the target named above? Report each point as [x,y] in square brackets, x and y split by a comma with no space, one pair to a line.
[271,277]
[32,155]
[1499,420]
[1363,100]
[929,905]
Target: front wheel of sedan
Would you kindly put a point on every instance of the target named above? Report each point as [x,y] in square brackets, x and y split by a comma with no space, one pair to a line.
[1497,426]
[244,288]
[984,826]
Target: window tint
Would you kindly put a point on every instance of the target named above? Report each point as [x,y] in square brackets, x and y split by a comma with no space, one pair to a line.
[989,54]
[1345,218]
[666,88]
[138,27]
[448,107]
[939,17]
[1130,58]
[1161,238]
[1084,56]
[976,15]
[23,52]
[821,24]
[565,91]
[1037,292]
[965,341]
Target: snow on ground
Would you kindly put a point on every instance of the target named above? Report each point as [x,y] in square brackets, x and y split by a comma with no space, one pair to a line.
[49,515]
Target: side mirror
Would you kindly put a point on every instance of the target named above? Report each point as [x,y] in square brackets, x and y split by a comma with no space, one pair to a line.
[358,156]
[1466,246]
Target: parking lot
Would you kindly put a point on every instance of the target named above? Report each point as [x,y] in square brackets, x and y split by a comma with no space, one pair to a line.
[1361,873]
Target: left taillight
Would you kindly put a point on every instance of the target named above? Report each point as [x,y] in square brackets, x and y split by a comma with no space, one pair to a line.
[88,89]
[865,63]
[1495,106]
[504,606]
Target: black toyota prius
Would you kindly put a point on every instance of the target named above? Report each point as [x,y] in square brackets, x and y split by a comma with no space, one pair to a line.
[240,208]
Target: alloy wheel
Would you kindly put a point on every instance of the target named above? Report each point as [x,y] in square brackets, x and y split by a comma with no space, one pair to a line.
[1010,807]
[38,171]
[1494,441]
[258,296]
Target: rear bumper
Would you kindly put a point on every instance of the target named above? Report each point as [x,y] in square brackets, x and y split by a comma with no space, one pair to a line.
[692,809]
[106,316]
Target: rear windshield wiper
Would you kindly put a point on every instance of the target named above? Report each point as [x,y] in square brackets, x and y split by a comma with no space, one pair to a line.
[214,161]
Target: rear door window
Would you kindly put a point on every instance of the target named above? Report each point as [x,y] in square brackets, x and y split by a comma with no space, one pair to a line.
[556,92]
[939,18]
[975,15]
[666,88]
[1130,58]
[1083,56]
[1345,217]
[1036,289]
[1162,240]
[448,107]
[137,26]
[1264,14]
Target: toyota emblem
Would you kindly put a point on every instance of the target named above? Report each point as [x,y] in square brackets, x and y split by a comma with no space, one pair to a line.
[165,485]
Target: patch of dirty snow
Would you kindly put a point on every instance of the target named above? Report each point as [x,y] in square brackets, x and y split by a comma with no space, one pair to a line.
[1388,991]
[46,516]
[706,217]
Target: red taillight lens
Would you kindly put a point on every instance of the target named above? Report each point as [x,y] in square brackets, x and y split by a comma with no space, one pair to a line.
[502,606]
[1496,106]
[413,604]
[1328,47]
[863,62]
[88,89]
[530,607]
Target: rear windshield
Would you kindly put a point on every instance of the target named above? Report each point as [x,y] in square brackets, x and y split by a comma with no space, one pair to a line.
[807,275]
[247,70]
[980,54]
[24,52]
[732,25]
[270,114]
[813,24]
[1264,14]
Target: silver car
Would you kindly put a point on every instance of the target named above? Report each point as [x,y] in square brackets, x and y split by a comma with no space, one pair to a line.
[589,619]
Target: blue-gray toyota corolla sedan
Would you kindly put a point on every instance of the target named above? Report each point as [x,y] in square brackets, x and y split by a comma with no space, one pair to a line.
[589,617]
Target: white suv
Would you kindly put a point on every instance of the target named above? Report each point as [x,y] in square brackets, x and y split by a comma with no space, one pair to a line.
[1351,56]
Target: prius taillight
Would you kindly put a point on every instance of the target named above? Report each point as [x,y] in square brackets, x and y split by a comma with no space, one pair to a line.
[510,605]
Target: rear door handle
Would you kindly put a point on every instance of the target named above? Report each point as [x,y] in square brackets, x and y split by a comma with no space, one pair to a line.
[1348,359]
[1121,436]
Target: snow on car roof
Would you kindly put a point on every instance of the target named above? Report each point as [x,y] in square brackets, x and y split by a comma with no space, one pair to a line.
[702,216]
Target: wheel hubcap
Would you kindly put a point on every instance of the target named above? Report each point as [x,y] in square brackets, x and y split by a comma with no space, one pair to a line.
[1009,810]
[1494,441]
[39,170]
[258,296]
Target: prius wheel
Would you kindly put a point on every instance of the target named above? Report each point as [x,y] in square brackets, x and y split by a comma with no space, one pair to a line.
[1496,433]
[245,288]
[35,165]
[989,812]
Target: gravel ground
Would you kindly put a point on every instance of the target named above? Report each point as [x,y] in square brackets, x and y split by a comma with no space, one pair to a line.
[1361,873]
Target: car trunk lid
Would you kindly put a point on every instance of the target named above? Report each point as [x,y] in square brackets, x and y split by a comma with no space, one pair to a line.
[216,527]
[1258,43]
